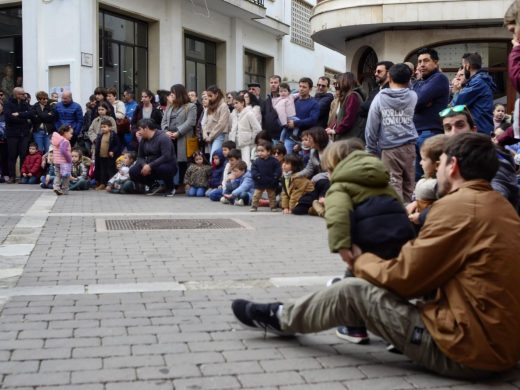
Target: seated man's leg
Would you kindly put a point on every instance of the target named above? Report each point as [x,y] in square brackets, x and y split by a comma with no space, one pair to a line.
[165,172]
[135,175]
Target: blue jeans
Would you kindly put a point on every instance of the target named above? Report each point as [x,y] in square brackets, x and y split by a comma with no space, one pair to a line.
[423,136]
[79,185]
[216,145]
[216,194]
[197,191]
[244,196]
[42,140]
[29,180]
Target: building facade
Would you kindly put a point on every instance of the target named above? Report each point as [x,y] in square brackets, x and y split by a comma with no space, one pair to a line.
[53,45]
[368,31]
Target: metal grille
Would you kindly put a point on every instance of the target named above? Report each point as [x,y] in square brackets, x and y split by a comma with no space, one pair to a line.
[300,24]
[171,224]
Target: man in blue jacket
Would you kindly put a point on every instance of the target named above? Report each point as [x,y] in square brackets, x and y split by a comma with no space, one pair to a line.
[307,111]
[477,94]
[69,113]
[433,91]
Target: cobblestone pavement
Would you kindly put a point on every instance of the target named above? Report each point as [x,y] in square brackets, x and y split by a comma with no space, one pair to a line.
[85,308]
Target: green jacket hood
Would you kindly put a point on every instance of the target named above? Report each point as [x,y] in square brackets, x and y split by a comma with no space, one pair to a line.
[361,168]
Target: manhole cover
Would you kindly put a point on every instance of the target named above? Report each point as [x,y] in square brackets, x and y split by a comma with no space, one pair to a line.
[166,224]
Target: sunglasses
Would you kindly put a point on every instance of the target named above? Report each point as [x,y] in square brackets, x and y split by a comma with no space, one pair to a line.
[455,109]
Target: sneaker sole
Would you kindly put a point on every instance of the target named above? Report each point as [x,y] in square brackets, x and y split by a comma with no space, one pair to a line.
[259,328]
[353,340]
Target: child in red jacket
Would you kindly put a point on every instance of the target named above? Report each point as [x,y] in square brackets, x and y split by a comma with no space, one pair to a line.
[32,166]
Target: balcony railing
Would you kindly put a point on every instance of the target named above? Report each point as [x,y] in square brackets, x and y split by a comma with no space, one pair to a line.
[257,2]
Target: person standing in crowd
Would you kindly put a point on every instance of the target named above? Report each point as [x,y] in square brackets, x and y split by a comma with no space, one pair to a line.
[155,159]
[230,96]
[44,118]
[307,110]
[463,330]
[255,89]
[457,83]
[147,109]
[390,129]
[101,95]
[130,103]
[433,91]
[345,121]
[104,114]
[381,77]
[217,119]
[324,98]
[69,113]
[500,119]
[179,122]
[18,117]
[270,120]
[477,94]
[3,145]
[195,100]
[253,102]
[244,128]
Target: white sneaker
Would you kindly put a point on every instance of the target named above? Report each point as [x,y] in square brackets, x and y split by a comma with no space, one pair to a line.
[240,202]
[223,200]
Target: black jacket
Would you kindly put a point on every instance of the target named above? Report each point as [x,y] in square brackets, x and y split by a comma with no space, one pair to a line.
[20,125]
[266,173]
[47,117]
[383,217]
[505,180]
[113,145]
[270,120]
[324,100]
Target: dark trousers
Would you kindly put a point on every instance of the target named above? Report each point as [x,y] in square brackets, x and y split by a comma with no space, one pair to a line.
[305,202]
[16,147]
[105,169]
[3,158]
[164,172]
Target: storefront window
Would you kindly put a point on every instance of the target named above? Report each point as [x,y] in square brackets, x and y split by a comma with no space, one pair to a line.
[200,63]
[123,48]
[254,70]
[11,71]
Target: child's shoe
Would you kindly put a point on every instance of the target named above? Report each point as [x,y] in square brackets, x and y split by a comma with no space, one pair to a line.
[253,209]
[263,203]
[223,200]
[58,192]
[354,335]
[239,202]
[319,208]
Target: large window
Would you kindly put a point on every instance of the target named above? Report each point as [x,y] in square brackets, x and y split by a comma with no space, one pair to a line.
[11,71]
[254,69]
[123,48]
[201,63]
[301,12]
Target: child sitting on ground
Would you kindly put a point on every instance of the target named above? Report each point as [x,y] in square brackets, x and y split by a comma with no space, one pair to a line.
[62,158]
[218,164]
[107,151]
[78,173]
[239,186]
[426,187]
[115,184]
[47,179]
[362,208]
[293,188]
[266,173]
[197,175]
[234,156]
[32,166]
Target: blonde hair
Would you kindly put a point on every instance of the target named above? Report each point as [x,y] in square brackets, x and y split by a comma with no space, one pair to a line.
[338,151]
[433,147]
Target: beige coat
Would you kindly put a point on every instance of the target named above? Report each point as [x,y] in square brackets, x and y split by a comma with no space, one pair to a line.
[217,122]
[467,253]
[244,127]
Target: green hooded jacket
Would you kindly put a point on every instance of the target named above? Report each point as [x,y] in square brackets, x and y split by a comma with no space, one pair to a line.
[355,179]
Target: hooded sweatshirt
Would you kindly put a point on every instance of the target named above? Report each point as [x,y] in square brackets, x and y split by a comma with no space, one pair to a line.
[362,208]
[390,119]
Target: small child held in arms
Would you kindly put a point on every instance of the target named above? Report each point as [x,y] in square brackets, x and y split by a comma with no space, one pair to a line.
[218,164]
[197,176]
[48,175]
[233,156]
[115,184]
[266,173]
[239,186]
[426,188]
[284,107]
[107,151]
[32,166]
[62,158]
[293,188]
[362,208]
[78,173]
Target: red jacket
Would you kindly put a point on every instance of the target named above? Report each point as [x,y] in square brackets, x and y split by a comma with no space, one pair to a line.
[33,164]
[514,67]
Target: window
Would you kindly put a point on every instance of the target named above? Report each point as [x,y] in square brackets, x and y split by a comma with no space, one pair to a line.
[254,69]
[300,24]
[200,63]
[11,71]
[123,48]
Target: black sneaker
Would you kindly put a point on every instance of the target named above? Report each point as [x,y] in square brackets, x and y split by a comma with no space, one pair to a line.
[258,316]
[157,191]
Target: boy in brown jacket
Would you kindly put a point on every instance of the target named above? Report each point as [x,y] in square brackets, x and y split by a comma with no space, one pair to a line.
[293,188]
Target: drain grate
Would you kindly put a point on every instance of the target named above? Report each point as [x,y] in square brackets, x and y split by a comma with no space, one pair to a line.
[170,224]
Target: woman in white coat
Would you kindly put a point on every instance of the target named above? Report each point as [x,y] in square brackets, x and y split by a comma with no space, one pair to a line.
[244,128]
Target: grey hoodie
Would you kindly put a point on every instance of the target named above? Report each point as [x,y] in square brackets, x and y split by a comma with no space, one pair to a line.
[390,120]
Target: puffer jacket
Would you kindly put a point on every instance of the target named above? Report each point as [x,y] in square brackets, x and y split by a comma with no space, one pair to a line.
[244,127]
[61,149]
[360,204]
[33,164]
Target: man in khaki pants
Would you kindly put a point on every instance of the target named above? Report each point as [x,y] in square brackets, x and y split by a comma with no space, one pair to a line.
[465,259]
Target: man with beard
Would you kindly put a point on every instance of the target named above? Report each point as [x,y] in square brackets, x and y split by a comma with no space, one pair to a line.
[381,77]
[477,94]
[465,259]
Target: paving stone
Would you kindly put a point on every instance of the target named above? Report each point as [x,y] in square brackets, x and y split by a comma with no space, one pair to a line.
[233,368]
[123,350]
[256,354]
[104,375]
[54,378]
[289,365]
[73,342]
[45,334]
[148,385]
[271,379]
[133,361]
[71,364]
[89,386]
[194,357]
[321,386]
[39,354]
[215,382]
[170,372]
[18,367]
